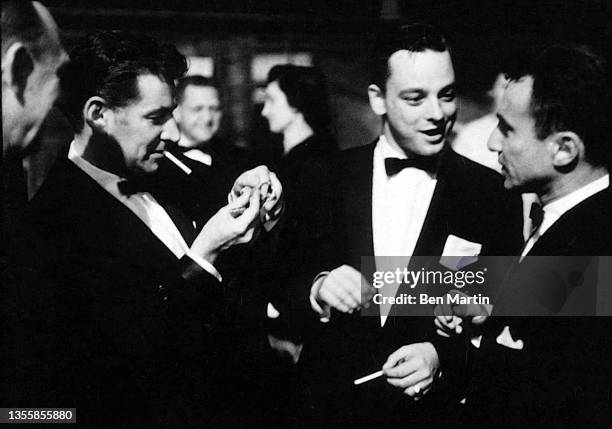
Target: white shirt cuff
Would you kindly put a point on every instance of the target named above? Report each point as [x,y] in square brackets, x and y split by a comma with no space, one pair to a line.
[322,311]
[207,266]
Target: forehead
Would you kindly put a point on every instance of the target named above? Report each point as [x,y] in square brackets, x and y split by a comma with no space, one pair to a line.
[273,90]
[517,98]
[153,93]
[202,94]
[425,69]
[54,53]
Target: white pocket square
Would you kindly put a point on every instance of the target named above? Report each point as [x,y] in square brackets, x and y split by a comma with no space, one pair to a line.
[505,339]
[459,252]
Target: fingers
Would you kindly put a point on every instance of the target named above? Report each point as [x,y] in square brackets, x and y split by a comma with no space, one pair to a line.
[273,193]
[341,289]
[254,178]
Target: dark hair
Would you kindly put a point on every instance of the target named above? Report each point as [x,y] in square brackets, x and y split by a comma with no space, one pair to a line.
[411,37]
[21,21]
[570,93]
[306,90]
[195,80]
[107,64]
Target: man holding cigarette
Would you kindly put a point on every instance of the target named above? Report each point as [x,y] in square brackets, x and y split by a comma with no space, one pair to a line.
[140,296]
[406,194]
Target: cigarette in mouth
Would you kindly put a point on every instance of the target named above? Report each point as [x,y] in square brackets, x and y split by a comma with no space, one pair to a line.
[177,162]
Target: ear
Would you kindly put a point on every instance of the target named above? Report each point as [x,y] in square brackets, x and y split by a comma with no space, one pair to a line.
[568,148]
[17,67]
[377,100]
[95,112]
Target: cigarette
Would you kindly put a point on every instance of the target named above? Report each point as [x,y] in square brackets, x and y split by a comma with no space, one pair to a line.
[177,162]
[367,378]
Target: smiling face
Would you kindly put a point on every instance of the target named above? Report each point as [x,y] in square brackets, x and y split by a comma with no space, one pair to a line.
[199,114]
[418,102]
[526,160]
[143,127]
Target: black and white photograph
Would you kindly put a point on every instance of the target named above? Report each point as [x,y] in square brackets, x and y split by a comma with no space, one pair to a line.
[303,214]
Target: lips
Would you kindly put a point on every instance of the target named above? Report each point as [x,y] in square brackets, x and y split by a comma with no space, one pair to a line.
[434,132]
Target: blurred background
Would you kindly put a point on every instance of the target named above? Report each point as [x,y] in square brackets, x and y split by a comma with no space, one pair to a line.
[238,41]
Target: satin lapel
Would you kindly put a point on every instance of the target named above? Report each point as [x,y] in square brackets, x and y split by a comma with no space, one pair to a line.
[114,225]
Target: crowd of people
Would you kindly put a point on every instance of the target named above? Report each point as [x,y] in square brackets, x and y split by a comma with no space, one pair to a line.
[160,278]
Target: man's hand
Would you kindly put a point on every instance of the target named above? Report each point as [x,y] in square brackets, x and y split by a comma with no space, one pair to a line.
[270,188]
[449,317]
[224,229]
[412,368]
[341,289]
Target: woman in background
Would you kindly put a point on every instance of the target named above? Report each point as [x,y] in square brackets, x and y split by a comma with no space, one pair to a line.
[296,106]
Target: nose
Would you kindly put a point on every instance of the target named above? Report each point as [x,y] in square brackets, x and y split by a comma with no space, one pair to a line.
[264,111]
[494,142]
[170,131]
[434,112]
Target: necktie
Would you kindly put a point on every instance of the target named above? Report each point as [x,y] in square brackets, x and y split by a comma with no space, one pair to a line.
[395,165]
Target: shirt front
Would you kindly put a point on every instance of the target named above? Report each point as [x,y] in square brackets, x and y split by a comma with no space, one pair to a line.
[399,207]
[148,210]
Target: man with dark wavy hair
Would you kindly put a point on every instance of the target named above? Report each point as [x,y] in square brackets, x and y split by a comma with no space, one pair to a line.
[405,195]
[139,296]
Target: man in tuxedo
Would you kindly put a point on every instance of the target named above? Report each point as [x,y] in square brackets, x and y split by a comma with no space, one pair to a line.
[407,194]
[536,371]
[139,305]
[31,57]
[213,160]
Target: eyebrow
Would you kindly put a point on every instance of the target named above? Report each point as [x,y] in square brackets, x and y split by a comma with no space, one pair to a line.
[161,111]
[421,91]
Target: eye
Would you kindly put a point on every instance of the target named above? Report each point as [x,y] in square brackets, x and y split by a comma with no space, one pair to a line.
[449,95]
[503,128]
[413,100]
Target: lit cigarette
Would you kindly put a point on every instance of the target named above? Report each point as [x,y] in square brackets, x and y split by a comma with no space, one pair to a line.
[177,162]
[368,377]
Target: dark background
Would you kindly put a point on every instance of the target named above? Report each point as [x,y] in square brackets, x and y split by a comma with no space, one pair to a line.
[338,35]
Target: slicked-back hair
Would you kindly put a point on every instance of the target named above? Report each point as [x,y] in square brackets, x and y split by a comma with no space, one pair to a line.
[570,93]
[107,64]
[306,91]
[410,37]
[21,22]
[194,80]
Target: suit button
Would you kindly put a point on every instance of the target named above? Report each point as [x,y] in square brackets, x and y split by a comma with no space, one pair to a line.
[162,291]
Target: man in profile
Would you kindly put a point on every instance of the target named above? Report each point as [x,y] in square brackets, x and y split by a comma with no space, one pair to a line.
[140,299]
[537,365]
[31,57]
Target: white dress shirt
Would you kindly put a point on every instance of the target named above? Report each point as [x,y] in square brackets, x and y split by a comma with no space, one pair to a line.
[556,208]
[399,207]
[148,210]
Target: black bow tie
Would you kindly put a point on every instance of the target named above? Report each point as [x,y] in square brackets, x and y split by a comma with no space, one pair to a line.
[395,165]
[536,214]
[133,186]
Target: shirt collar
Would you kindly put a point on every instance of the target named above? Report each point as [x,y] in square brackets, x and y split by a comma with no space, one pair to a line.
[567,202]
[388,151]
[105,179]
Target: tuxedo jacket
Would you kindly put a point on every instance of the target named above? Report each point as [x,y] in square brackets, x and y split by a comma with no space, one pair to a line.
[137,343]
[468,202]
[559,375]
